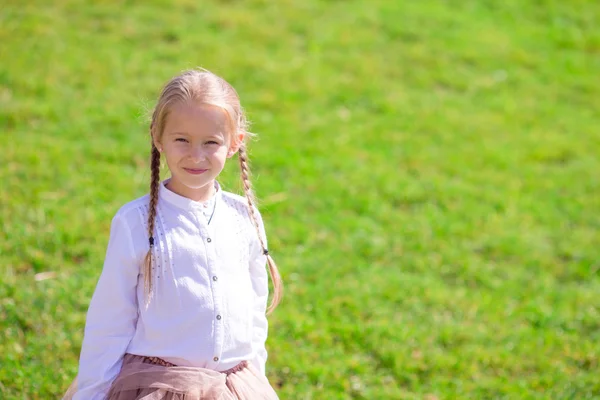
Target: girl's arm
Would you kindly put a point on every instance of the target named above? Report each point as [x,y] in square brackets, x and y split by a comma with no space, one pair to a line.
[111,318]
[260,284]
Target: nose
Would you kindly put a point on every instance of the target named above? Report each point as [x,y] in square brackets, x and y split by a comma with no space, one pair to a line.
[197,154]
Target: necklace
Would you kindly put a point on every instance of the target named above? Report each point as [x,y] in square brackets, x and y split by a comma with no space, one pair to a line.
[214,201]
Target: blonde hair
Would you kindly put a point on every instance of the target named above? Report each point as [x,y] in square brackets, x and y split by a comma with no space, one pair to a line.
[204,87]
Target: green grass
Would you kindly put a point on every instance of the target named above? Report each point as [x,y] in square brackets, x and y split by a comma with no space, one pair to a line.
[428,173]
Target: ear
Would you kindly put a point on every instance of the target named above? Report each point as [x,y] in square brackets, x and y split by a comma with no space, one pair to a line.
[235,145]
[157,144]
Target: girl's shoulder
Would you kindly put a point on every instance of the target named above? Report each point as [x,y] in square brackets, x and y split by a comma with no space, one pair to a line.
[130,212]
[238,204]
[234,200]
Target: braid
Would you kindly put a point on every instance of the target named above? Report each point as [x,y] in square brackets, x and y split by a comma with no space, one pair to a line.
[273,270]
[154,181]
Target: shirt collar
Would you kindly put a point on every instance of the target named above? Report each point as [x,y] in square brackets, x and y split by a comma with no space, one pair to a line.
[183,202]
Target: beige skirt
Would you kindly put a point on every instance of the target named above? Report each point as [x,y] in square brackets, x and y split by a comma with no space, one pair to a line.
[154,379]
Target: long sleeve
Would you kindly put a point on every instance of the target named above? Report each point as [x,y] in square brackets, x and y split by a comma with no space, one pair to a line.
[260,284]
[111,317]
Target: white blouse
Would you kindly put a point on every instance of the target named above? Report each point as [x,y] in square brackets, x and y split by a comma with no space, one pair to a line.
[210,290]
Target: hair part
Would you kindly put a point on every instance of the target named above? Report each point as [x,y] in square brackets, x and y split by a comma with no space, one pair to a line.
[203,87]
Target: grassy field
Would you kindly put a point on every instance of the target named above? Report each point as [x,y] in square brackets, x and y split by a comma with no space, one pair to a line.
[428,172]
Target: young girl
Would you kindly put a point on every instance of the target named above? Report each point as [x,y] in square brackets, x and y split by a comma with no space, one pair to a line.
[179,309]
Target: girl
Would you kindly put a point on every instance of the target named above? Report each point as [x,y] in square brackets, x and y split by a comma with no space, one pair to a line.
[179,309]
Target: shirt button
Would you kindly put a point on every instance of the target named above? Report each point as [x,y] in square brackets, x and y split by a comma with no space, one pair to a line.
[209,240]
[218,317]
[216,359]
[215,278]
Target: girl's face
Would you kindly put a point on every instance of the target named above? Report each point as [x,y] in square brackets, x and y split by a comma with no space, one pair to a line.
[196,141]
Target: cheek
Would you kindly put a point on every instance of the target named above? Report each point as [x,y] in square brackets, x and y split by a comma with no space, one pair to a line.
[171,158]
[219,152]
[176,151]
[222,153]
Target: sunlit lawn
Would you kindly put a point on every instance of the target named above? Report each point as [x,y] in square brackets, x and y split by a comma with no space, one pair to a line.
[428,174]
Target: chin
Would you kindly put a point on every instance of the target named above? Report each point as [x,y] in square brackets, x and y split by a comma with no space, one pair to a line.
[197,185]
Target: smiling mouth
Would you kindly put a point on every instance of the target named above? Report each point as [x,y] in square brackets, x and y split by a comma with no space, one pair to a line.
[195,171]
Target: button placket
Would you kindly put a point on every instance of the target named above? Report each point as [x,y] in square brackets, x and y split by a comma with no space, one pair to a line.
[206,233]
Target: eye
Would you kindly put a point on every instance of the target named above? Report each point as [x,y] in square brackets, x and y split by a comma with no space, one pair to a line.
[182,140]
[212,142]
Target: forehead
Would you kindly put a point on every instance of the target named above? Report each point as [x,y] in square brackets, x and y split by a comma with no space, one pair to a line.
[196,119]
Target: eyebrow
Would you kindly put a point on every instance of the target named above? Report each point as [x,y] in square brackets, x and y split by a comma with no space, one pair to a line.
[177,133]
[211,136]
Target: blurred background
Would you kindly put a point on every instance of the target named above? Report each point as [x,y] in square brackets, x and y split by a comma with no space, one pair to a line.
[428,176]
